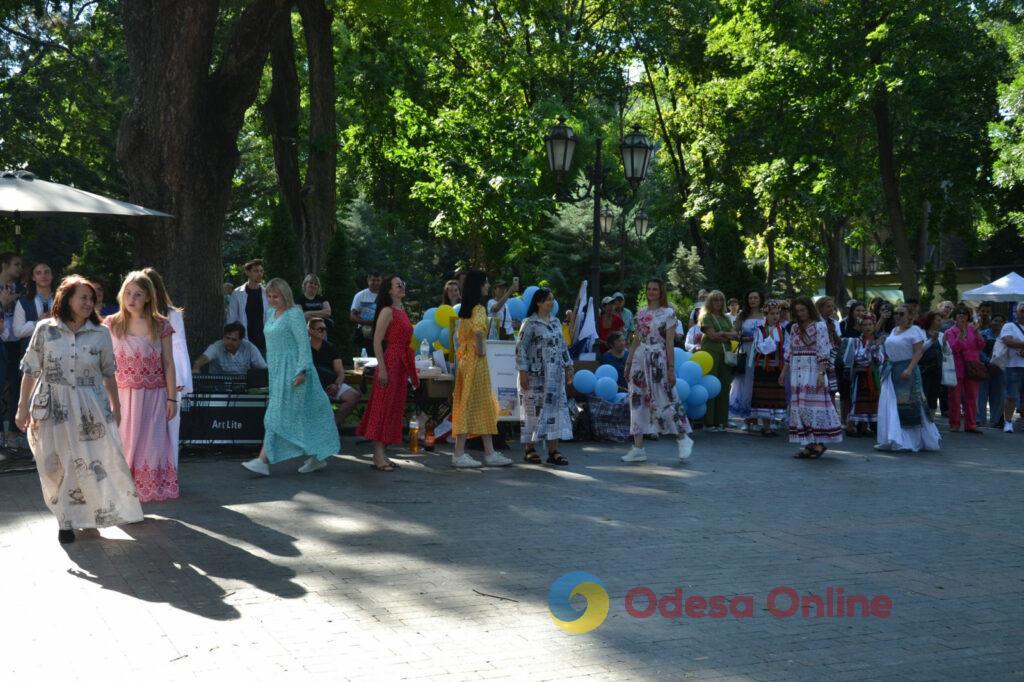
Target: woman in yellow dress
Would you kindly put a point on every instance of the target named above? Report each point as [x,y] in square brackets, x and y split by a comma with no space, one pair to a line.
[475,408]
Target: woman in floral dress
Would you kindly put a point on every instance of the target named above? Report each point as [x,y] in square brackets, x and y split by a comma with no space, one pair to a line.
[544,368]
[147,385]
[392,332]
[70,408]
[474,405]
[654,407]
[813,420]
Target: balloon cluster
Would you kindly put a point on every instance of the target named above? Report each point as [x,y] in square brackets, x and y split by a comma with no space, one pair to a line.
[604,383]
[434,327]
[518,305]
[694,386]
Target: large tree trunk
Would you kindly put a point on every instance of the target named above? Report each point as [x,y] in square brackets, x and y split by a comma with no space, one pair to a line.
[311,204]
[833,233]
[905,262]
[320,191]
[178,143]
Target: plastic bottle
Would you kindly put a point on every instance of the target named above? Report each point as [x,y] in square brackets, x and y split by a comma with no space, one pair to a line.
[363,354]
[424,349]
[414,435]
[428,436]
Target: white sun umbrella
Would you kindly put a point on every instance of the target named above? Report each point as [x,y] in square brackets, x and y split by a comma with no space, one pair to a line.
[22,194]
[1006,289]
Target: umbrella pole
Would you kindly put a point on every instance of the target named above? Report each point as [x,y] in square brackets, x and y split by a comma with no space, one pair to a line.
[17,232]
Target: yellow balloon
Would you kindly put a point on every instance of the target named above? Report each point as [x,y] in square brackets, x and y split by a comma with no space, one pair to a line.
[443,315]
[414,343]
[704,359]
[438,346]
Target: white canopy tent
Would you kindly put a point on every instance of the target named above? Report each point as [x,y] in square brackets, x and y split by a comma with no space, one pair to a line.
[1006,289]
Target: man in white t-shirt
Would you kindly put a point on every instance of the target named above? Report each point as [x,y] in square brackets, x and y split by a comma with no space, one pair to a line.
[496,307]
[1012,335]
[363,310]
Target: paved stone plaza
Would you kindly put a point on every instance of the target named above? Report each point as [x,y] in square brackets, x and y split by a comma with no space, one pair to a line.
[432,573]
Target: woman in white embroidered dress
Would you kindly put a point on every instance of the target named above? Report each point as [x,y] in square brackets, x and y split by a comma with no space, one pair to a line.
[813,420]
[70,408]
[749,320]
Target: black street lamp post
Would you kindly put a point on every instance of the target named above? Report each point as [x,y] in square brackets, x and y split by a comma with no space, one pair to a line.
[636,150]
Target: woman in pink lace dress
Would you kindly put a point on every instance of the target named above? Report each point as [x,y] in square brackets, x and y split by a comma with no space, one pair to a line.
[147,388]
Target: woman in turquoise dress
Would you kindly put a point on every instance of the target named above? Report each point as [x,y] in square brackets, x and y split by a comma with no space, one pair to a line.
[299,420]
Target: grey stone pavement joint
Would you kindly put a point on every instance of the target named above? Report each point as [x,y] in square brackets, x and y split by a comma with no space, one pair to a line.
[429,573]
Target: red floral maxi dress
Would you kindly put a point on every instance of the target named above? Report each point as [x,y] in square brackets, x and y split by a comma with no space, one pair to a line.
[654,407]
[382,420]
[142,389]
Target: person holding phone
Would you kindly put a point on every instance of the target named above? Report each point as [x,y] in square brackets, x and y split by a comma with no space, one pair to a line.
[496,307]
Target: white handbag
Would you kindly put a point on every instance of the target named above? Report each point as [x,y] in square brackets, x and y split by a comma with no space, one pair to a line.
[948,368]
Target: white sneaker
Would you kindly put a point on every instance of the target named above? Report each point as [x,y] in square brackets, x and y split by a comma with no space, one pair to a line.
[312,464]
[1008,427]
[465,462]
[257,466]
[496,459]
[685,445]
[635,454]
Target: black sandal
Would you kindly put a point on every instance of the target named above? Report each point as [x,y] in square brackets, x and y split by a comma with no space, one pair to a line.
[387,466]
[816,452]
[557,459]
[803,454]
[530,455]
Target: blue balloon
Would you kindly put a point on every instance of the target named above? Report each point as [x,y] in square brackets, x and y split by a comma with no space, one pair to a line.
[698,396]
[607,388]
[678,356]
[712,385]
[554,310]
[691,372]
[528,294]
[696,412]
[457,307]
[445,338]
[516,308]
[682,390]
[584,381]
[428,314]
[607,371]
[621,397]
[427,330]
[684,356]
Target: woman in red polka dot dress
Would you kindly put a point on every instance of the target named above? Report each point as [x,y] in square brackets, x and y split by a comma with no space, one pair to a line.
[382,421]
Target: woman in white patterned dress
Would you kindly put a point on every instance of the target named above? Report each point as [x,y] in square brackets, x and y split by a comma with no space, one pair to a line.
[813,420]
[544,368]
[654,407]
[749,320]
[70,408]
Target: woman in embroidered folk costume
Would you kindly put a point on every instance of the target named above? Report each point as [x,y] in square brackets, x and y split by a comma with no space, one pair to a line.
[749,320]
[474,405]
[654,405]
[904,422]
[299,420]
[813,420]
[147,385]
[768,398]
[70,408]
[544,368]
[863,358]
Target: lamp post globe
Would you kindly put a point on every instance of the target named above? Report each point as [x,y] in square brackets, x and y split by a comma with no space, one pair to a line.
[636,151]
[641,222]
[607,221]
[560,143]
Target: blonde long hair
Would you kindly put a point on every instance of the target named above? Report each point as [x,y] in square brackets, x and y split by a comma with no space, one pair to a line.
[119,320]
[282,287]
[705,310]
[164,305]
